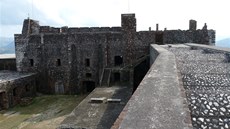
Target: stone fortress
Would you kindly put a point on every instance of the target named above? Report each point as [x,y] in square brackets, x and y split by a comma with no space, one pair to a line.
[159,78]
[73,60]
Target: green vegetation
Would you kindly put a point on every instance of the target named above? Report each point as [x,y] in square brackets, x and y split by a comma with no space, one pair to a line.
[45,112]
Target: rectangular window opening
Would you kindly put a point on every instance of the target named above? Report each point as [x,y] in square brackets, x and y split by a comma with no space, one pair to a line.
[118,60]
[88,75]
[14,92]
[27,88]
[58,62]
[31,62]
[87,62]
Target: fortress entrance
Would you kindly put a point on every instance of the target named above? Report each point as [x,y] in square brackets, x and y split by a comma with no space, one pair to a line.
[59,87]
[89,85]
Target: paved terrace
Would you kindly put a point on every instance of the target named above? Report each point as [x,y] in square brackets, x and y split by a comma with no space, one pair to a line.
[205,72]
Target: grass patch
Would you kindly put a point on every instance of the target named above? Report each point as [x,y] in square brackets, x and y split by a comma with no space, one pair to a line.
[42,110]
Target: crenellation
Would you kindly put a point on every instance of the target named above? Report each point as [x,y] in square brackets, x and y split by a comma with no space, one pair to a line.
[94,29]
[44,29]
[64,29]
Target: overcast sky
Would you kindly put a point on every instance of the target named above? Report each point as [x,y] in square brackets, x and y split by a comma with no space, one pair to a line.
[173,14]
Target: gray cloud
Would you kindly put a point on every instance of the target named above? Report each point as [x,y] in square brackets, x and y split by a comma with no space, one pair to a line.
[13,12]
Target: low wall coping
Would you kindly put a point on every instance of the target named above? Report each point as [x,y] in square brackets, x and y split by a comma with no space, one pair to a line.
[158,102]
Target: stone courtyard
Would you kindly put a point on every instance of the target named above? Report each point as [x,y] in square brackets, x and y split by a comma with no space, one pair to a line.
[205,75]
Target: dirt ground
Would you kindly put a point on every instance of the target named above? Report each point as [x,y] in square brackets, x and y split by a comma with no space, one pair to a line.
[45,112]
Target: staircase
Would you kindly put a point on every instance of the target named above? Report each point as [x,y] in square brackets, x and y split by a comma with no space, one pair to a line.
[106,77]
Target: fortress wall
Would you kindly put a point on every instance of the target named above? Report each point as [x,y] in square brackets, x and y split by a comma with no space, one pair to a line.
[14,86]
[8,64]
[188,36]
[158,101]
[48,29]
[142,42]
[94,29]
[47,55]
[101,49]
[45,47]
[177,36]
[53,60]
[86,58]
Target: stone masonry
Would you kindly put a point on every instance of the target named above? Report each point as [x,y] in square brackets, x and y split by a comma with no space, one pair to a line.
[74,60]
[14,86]
[206,79]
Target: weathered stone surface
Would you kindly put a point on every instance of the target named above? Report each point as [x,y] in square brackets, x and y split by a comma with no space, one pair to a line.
[101,115]
[7,62]
[157,102]
[14,86]
[69,60]
[206,79]
[73,60]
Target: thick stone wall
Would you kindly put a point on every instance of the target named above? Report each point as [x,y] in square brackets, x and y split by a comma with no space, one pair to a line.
[159,100]
[14,86]
[189,36]
[8,64]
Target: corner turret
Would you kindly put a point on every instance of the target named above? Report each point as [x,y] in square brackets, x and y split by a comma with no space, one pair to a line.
[30,27]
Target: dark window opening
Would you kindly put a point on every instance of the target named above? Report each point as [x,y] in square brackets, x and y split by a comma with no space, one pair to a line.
[88,75]
[118,60]
[58,62]
[14,92]
[89,85]
[159,38]
[87,62]
[1,101]
[117,77]
[31,62]
[27,88]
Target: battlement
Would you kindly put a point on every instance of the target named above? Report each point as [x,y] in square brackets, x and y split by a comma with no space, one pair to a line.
[94,29]
[128,23]
[48,29]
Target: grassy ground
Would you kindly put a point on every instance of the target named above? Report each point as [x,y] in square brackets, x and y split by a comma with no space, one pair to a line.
[46,112]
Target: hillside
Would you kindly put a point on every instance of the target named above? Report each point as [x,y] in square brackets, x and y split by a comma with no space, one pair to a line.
[223,43]
[7,46]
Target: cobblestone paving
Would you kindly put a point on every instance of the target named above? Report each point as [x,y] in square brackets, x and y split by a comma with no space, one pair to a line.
[206,79]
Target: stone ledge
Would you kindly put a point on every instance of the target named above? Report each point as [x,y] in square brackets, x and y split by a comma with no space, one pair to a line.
[209,47]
